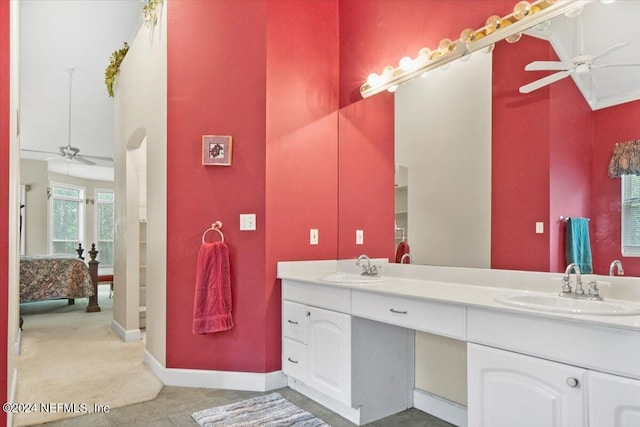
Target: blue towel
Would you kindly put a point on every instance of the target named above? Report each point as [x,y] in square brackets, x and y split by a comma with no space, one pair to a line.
[578,247]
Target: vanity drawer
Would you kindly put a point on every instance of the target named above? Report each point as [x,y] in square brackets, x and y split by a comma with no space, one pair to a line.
[294,359]
[428,316]
[294,321]
[330,297]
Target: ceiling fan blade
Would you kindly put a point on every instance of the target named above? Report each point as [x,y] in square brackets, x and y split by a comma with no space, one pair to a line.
[530,87]
[609,51]
[39,151]
[614,65]
[109,159]
[81,159]
[547,66]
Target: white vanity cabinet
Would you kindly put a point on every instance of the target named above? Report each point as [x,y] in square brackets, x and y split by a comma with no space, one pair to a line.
[317,348]
[508,389]
[613,401]
[355,367]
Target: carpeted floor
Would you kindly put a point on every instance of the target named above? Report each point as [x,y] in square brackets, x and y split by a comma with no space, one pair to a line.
[75,359]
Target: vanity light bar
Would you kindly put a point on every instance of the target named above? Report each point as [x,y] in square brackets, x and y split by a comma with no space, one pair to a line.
[510,27]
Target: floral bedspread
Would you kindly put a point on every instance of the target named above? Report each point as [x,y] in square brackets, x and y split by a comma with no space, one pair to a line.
[46,277]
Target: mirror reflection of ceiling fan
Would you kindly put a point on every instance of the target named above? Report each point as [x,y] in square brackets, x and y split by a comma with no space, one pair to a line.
[581,65]
[67,151]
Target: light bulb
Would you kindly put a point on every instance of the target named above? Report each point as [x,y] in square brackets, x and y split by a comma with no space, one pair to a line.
[445,46]
[521,9]
[424,54]
[492,24]
[387,72]
[407,64]
[467,36]
[373,79]
[513,38]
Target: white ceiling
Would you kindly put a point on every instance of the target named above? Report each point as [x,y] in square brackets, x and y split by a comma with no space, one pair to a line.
[597,28]
[56,35]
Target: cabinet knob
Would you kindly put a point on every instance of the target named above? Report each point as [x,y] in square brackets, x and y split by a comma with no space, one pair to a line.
[572,382]
[308,313]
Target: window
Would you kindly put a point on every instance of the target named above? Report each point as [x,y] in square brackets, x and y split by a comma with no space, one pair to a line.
[105,226]
[67,218]
[630,215]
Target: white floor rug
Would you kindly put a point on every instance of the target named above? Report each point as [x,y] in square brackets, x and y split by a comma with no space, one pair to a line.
[74,359]
[271,410]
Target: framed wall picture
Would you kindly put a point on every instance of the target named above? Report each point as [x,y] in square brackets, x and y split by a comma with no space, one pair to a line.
[216,150]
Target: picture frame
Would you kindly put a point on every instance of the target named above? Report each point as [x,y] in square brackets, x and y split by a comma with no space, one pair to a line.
[216,150]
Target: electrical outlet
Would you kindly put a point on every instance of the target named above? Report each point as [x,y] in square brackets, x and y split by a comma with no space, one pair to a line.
[359,237]
[539,227]
[247,222]
[313,236]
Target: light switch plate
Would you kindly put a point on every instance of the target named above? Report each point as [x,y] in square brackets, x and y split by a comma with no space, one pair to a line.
[313,236]
[539,227]
[359,237]
[247,222]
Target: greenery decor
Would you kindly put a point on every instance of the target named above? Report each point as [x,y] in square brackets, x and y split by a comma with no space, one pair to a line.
[150,11]
[114,67]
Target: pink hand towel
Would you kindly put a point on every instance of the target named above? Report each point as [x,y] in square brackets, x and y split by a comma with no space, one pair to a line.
[212,301]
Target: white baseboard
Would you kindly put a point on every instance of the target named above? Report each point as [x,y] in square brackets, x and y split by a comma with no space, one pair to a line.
[253,381]
[126,335]
[442,408]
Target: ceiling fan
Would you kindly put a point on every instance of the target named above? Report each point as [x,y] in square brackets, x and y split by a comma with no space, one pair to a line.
[67,151]
[580,65]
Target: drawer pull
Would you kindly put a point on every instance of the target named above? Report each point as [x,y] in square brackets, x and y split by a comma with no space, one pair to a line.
[292,322]
[397,311]
[291,360]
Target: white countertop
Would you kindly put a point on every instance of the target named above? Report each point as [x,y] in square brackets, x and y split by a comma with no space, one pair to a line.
[470,287]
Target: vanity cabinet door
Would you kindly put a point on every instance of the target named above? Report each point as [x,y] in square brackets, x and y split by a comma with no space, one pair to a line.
[508,389]
[329,353]
[613,401]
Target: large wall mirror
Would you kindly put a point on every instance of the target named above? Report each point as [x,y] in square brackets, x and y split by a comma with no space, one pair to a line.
[448,143]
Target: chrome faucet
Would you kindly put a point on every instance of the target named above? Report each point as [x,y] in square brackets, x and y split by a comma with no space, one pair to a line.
[593,293]
[405,256]
[616,263]
[566,286]
[368,269]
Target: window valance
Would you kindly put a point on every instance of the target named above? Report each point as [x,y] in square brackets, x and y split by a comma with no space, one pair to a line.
[625,159]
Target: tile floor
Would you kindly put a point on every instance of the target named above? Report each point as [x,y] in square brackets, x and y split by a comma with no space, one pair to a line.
[174,406]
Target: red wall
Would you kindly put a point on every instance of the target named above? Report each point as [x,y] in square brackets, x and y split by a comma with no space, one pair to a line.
[366,196]
[302,143]
[216,85]
[611,125]
[265,73]
[541,160]
[520,160]
[4,197]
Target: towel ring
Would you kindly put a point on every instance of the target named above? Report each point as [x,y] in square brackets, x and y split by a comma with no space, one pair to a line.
[216,226]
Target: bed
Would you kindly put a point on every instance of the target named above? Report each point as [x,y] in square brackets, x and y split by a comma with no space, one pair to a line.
[54,277]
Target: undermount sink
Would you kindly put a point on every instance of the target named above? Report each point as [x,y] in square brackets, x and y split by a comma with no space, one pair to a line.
[558,304]
[350,278]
